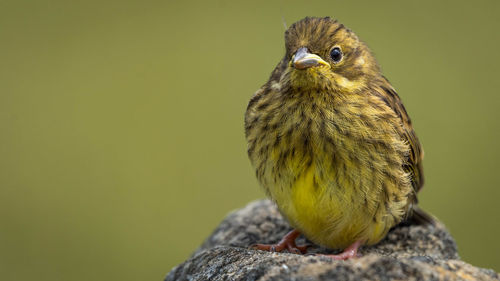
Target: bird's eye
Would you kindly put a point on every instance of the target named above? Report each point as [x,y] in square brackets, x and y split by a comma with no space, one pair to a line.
[336,54]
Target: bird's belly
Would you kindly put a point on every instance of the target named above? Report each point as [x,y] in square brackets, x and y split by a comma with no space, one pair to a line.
[328,208]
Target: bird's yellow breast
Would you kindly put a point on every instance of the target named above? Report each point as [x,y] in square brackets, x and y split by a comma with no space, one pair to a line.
[329,210]
[337,180]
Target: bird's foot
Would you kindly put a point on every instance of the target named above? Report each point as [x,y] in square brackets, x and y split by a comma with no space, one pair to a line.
[287,242]
[348,253]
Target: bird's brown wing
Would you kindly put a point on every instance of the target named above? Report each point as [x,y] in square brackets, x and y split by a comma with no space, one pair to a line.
[414,163]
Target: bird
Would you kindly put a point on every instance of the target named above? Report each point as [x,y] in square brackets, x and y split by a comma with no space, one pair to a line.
[332,144]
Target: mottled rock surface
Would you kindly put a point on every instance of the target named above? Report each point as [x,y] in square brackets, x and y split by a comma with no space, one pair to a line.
[411,252]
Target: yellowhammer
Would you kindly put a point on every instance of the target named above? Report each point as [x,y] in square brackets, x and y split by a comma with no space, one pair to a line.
[332,143]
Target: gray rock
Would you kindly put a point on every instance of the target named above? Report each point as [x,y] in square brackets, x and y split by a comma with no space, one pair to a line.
[409,252]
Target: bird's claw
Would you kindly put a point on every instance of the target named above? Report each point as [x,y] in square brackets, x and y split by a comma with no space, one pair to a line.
[290,246]
[349,253]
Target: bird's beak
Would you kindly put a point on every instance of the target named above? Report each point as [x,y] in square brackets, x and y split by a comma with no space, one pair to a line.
[303,59]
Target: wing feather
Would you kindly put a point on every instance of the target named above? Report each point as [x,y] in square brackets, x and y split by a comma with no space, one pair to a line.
[414,162]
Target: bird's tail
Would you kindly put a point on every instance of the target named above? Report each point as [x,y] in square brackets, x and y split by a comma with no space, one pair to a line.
[421,217]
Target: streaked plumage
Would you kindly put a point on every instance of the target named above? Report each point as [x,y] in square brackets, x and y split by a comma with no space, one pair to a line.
[332,143]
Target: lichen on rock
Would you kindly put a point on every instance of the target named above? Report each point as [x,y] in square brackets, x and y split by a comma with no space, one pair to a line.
[409,252]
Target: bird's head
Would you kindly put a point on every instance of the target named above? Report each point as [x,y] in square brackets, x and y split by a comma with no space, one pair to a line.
[322,53]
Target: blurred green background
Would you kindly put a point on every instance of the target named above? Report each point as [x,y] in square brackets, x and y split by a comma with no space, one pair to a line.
[122,144]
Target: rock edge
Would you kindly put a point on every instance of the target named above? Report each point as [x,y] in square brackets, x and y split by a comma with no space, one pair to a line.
[411,252]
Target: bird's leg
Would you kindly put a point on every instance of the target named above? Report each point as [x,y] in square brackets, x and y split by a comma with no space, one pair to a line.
[287,242]
[349,252]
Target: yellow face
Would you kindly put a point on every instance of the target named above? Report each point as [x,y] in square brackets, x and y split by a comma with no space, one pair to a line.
[321,53]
